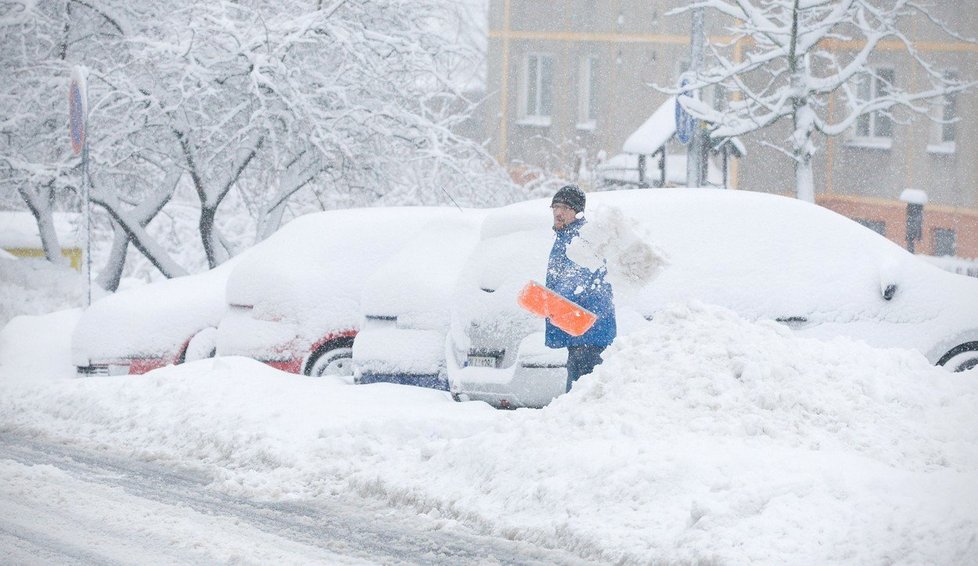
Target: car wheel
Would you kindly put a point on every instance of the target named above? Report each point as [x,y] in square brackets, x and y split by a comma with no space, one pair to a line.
[202,346]
[961,358]
[336,362]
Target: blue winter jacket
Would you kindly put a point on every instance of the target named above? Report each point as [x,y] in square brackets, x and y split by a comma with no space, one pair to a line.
[582,286]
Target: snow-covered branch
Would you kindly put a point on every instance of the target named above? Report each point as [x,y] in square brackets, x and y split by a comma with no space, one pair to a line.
[799,54]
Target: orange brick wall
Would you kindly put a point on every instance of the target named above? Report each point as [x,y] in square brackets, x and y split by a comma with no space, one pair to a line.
[894,213]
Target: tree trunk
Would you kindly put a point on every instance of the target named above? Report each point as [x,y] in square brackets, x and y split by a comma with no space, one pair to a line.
[111,275]
[40,207]
[139,238]
[143,214]
[272,220]
[805,179]
[803,116]
[207,236]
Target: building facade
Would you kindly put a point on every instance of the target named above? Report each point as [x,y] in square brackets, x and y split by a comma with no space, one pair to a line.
[570,81]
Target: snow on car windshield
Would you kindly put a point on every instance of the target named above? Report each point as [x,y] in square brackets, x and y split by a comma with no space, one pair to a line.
[312,270]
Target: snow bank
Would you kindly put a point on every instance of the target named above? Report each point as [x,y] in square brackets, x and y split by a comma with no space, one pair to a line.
[37,286]
[37,348]
[703,438]
[708,438]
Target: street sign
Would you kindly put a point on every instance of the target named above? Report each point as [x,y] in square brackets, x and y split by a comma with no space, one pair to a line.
[685,123]
[77,110]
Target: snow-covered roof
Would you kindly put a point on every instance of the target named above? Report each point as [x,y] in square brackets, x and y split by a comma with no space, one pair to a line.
[655,132]
[18,229]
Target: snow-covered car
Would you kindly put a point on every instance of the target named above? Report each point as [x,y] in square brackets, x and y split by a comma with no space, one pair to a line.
[407,308]
[294,303]
[143,328]
[762,256]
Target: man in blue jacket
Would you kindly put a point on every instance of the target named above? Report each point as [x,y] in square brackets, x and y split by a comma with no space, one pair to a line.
[579,284]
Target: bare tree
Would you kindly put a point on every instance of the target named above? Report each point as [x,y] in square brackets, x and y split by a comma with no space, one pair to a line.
[799,53]
[281,106]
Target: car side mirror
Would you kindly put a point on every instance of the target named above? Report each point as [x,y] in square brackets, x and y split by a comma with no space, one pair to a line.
[891,271]
[889,291]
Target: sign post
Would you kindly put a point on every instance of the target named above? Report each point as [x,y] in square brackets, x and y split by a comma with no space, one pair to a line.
[696,154]
[685,123]
[78,124]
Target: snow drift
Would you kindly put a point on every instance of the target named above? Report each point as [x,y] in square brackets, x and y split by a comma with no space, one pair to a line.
[703,438]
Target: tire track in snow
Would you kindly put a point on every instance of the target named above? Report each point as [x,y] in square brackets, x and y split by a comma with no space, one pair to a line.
[349,530]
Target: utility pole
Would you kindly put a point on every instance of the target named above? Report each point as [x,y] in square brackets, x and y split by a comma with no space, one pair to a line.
[696,156]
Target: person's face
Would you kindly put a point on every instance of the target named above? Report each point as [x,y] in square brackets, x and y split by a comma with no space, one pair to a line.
[563,215]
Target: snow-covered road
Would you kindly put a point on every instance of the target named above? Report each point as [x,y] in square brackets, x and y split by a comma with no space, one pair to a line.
[62,505]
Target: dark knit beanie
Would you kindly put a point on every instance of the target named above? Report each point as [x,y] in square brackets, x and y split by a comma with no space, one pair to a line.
[572,196]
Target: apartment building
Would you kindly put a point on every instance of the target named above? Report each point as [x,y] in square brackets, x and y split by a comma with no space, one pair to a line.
[571,81]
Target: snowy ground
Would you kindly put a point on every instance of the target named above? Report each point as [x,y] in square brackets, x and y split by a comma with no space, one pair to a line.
[36,287]
[702,439]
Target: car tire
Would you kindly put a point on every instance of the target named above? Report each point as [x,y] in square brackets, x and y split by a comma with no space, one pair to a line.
[335,362]
[961,358]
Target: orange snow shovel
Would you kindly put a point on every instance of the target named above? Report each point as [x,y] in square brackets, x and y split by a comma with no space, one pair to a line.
[565,315]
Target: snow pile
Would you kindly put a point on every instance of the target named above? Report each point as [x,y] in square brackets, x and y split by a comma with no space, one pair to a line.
[704,370]
[38,348]
[703,438]
[37,286]
[708,438]
[610,238]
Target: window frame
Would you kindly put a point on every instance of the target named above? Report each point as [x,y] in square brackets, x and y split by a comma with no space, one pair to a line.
[533,71]
[946,122]
[587,114]
[874,129]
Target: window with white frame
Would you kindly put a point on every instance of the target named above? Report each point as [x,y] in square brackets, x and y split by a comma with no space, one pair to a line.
[945,133]
[538,98]
[879,124]
[587,93]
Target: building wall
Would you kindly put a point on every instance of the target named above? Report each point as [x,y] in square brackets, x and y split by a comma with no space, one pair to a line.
[74,255]
[638,46]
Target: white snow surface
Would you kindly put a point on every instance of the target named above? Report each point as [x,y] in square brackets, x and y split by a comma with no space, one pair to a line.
[414,287]
[654,132]
[20,292]
[305,281]
[18,229]
[613,240]
[703,438]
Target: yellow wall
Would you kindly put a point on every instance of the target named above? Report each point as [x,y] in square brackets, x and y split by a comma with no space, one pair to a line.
[73,254]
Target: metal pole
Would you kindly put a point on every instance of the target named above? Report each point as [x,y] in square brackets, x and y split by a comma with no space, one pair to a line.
[87,214]
[87,210]
[697,144]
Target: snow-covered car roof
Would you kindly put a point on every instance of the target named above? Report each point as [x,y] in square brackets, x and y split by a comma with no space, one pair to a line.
[420,277]
[407,301]
[310,274]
